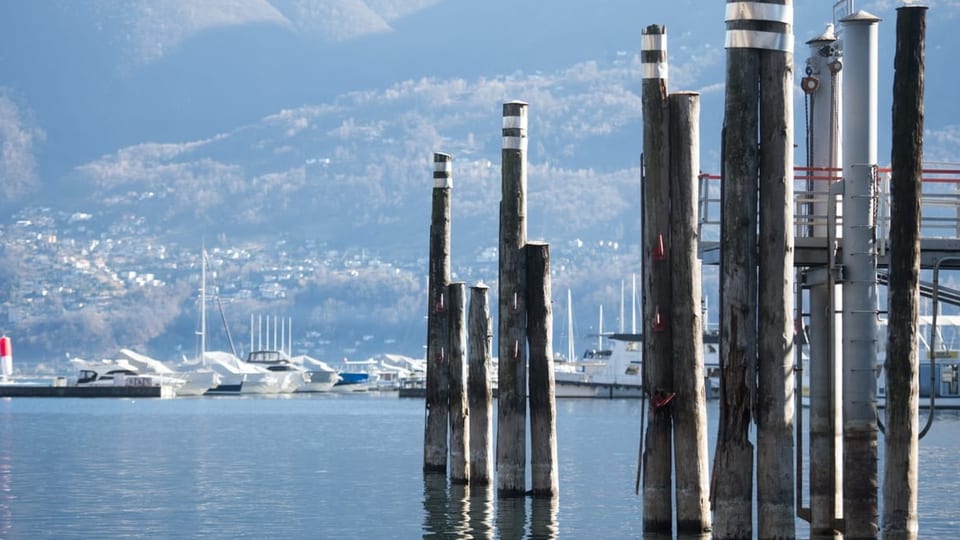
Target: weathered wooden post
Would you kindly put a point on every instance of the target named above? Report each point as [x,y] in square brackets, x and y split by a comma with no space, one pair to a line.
[543,405]
[901,437]
[775,406]
[479,387]
[732,482]
[512,371]
[435,430]
[459,419]
[690,407]
[657,301]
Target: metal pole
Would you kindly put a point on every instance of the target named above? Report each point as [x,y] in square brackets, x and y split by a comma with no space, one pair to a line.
[823,69]
[860,306]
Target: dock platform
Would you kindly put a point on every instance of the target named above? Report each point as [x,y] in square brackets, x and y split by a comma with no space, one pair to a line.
[40,390]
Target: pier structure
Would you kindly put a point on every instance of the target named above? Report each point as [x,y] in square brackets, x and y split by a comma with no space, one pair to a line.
[843,212]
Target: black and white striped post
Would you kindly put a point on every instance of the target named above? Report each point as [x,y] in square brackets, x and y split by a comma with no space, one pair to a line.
[776,472]
[756,274]
[657,278]
[512,372]
[438,339]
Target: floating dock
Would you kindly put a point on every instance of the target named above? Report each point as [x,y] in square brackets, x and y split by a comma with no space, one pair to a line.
[41,390]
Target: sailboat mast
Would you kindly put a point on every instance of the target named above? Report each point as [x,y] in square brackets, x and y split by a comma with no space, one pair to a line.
[633,307]
[203,306]
[600,333]
[621,305]
[570,348]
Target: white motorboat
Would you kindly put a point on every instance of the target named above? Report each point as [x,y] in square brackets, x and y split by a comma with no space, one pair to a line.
[616,370]
[239,377]
[320,376]
[290,376]
[394,369]
[611,372]
[197,381]
[358,376]
[120,373]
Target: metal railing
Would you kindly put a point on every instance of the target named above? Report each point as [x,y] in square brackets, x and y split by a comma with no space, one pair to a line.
[818,202]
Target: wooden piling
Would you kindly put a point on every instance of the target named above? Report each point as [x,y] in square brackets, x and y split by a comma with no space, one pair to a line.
[512,369]
[657,295]
[543,404]
[690,407]
[732,479]
[438,277]
[900,480]
[775,326]
[479,387]
[459,419]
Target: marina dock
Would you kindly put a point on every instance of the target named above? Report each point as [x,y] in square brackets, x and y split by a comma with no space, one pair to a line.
[41,390]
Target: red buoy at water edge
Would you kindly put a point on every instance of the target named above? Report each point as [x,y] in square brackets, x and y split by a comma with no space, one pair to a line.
[6,358]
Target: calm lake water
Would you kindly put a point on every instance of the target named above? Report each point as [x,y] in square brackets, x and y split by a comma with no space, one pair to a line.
[327,466]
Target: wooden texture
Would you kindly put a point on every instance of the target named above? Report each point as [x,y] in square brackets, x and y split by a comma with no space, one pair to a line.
[657,302]
[437,384]
[479,386]
[459,419]
[690,407]
[775,327]
[732,481]
[512,357]
[543,405]
[900,489]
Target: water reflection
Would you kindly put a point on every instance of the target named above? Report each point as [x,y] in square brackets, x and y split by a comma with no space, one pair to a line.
[6,477]
[511,517]
[543,520]
[457,510]
[464,511]
[459,524]
[435,501]
[660,536]
[481,511]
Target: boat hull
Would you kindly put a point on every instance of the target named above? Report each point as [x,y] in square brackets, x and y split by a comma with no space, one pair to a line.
[575,389]
[319,381]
